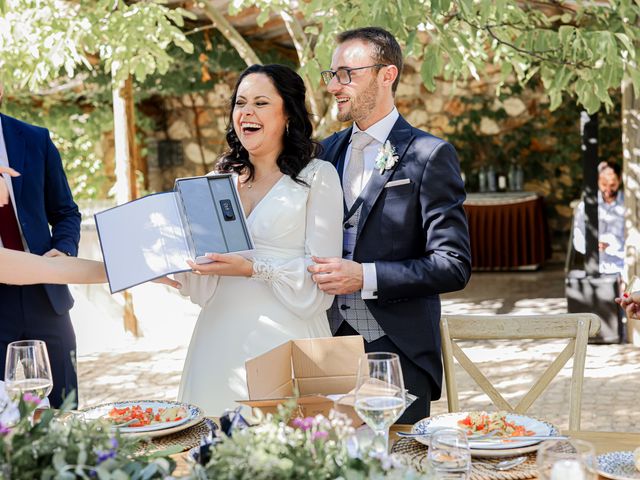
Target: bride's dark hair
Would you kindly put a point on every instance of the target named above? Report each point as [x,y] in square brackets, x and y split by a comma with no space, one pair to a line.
[298,147]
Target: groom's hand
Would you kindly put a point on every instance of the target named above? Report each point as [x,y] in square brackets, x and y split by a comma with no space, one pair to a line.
[336,276]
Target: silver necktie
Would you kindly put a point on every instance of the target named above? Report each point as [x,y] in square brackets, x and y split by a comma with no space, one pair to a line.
[354,172]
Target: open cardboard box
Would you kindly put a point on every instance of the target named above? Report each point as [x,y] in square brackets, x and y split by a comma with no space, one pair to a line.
[319,369]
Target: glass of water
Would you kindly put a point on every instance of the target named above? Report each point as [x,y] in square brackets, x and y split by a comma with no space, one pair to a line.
[380,395]
[449,456]
[27,370]
[562,459]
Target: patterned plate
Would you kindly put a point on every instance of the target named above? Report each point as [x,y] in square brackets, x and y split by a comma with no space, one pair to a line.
[194,415]
[617,466]
[488,448]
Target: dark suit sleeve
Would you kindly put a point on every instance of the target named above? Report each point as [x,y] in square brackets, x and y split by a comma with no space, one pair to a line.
[446,263]
[62,212]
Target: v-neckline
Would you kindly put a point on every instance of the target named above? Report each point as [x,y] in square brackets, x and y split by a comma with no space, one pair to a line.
[255,207]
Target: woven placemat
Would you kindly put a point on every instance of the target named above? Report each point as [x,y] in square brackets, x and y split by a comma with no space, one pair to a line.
[187,438]
[414,453]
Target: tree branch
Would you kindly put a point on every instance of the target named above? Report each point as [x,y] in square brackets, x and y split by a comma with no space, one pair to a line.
[301,43]
[231,34]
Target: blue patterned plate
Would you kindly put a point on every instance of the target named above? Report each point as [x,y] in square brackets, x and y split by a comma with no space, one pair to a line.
[617,466]
[193,415]
[487,448]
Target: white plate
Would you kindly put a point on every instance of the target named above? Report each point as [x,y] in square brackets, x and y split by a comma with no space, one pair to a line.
[617,466]
[488,448]
[194,415]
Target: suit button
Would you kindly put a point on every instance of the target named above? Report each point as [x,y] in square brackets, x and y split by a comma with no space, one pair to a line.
[347,226]
[344,307]
[345,253]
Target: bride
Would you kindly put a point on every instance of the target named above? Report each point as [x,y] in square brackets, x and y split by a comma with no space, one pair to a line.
[293,205]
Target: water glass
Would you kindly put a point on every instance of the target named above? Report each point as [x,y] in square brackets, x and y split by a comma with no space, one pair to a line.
[27,369]
[563,459]
[449,456]
[380,395]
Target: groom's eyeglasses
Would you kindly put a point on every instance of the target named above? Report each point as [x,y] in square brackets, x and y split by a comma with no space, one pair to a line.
[344,74]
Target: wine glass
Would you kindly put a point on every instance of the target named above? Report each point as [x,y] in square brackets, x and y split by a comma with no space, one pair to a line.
[449,455]
[380,395]
[562,459]
[27,370]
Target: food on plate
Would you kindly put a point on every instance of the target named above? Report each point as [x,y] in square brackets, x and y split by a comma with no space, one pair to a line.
[482,423]
[636,458]
[136,416]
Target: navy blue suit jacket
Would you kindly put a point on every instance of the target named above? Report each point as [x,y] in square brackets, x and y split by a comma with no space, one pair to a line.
[417,236]
[48,216]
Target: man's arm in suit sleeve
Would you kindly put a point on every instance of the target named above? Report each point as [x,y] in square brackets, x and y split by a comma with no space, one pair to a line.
[445,265]
[62,212]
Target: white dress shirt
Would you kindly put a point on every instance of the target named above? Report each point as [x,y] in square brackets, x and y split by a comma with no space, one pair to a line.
[610,231]
[4,162]
[379,131]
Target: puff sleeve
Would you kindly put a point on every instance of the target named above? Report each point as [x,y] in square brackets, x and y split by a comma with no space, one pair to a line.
[291,282]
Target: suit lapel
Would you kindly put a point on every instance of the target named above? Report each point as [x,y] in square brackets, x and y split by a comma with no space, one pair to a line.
[400,138]
[16,148]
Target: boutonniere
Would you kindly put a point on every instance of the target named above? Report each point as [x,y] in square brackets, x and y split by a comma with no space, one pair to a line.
[386,158]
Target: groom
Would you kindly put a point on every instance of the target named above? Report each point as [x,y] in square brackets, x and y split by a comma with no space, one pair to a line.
[405,232]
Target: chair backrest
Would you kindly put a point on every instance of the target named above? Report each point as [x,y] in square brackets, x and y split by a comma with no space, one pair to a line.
[577,327]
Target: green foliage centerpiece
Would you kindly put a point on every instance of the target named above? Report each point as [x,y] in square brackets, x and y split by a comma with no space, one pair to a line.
[313,448]
[63,446]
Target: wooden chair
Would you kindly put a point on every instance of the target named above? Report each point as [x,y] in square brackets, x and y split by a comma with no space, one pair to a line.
[577,327]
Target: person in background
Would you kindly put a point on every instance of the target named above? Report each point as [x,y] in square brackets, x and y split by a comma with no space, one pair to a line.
[610,220]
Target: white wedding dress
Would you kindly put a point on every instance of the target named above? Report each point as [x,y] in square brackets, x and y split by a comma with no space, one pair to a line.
[245,317]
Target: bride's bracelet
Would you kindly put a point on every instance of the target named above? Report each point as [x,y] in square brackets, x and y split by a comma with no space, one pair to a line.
[263,270]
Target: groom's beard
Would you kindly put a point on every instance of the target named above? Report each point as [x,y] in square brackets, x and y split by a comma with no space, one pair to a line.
[362,104]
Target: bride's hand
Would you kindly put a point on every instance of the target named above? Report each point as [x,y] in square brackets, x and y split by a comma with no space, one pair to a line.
[225,264]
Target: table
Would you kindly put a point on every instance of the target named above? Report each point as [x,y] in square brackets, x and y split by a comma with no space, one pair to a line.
[507,230]
[603,442]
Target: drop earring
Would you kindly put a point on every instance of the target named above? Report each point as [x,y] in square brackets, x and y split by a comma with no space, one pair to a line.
[286,128]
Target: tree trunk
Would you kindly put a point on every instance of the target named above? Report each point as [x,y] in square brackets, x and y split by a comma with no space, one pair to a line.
[301,43]
[631,180]
[125,187]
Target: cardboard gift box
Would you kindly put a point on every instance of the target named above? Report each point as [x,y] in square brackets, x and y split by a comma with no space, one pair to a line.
[320,370]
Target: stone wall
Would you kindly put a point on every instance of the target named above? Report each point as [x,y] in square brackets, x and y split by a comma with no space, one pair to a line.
[198,121]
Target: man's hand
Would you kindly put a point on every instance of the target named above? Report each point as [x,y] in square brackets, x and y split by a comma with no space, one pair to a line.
[54,253]
[336,276]
[225,264]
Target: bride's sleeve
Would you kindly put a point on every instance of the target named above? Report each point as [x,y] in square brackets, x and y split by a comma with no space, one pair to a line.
[199,288]
[290,280]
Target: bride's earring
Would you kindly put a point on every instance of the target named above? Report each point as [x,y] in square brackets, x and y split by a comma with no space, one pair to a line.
[286,128]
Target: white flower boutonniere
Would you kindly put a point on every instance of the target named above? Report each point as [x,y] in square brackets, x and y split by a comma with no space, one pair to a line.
[386,158]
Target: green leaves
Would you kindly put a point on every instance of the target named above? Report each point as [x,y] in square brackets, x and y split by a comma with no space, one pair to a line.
[432,62]
[45,39]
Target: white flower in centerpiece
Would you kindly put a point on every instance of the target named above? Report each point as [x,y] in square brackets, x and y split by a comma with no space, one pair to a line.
[386,158]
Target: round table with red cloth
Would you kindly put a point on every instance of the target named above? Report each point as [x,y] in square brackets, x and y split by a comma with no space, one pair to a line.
[507,230]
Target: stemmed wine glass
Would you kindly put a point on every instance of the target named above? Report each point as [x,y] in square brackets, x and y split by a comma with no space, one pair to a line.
[27,369]
[380,395]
